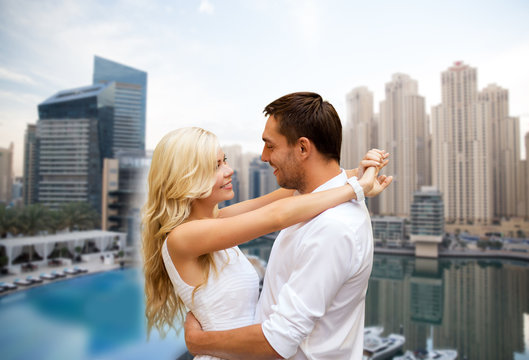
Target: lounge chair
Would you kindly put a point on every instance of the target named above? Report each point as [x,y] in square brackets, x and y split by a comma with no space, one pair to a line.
[45,276]
[8,286]
[58,274]
[80,269]
[22,282]
[70,271]
[33,279]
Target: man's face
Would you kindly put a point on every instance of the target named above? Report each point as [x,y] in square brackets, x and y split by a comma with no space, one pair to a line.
[282,157]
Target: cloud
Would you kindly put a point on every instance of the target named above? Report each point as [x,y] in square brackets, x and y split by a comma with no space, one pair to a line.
[10,75]
[206,7]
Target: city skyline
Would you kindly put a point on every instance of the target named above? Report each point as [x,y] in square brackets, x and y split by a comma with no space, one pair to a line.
[217,65]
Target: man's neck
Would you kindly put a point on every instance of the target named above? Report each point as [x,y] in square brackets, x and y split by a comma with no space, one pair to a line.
[318,174]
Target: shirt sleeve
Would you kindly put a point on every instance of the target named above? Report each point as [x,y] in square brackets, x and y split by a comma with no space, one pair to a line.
[322,264]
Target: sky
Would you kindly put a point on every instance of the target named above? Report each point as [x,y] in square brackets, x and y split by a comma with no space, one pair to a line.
[217,64]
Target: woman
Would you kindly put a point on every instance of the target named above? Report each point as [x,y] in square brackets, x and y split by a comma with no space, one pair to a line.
[192,261]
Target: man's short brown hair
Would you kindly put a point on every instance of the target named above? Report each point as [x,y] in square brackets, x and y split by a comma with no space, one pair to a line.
[306,114]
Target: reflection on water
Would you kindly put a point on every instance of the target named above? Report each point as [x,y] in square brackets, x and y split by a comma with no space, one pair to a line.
[475,306]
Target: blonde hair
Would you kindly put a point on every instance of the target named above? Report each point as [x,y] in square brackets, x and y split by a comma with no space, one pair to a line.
[182,170]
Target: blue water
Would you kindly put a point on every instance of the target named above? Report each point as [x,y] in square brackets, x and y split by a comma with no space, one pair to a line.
[97,316]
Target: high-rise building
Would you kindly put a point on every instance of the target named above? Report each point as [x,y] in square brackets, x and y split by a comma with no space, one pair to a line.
[505,154]
[130,103]
[523,183]
[73,137]
[30,183]
[461,158]
[262,179]
[6,174]
[427,221]
[358,131]
[124,192]
[403,132]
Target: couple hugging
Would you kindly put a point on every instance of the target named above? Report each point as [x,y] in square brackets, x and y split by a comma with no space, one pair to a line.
[313,297]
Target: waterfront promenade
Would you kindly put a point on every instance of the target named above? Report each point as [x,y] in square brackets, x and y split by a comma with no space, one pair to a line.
[92,267]
[497,254]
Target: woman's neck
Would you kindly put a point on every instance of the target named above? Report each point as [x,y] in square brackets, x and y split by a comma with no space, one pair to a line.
[201,209]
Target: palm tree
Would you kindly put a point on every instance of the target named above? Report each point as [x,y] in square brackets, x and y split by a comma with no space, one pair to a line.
[80,216]
[33,219]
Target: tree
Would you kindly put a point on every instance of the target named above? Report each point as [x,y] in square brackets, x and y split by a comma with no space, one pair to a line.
[80,216]
[33,219]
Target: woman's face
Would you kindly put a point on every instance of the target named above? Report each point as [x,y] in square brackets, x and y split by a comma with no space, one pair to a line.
[223,189]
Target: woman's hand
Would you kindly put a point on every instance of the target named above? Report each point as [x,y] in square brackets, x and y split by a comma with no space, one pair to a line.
[374,157]
[372,183]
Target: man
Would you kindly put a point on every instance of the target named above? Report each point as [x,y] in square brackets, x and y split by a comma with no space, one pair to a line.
[313,298]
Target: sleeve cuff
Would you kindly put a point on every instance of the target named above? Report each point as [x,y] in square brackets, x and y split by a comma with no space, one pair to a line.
[279,340]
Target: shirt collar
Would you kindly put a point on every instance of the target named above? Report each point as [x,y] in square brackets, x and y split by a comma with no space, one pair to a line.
[336,181]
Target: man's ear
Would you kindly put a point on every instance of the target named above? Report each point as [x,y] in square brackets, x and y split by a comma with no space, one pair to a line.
[304,147]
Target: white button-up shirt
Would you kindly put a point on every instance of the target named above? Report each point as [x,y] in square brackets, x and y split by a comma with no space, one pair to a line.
[313,300]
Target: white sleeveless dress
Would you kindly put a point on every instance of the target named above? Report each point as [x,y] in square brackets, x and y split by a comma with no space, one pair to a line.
[228,300]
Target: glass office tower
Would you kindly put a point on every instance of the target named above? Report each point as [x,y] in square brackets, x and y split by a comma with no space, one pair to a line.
[128,132]
[73,137]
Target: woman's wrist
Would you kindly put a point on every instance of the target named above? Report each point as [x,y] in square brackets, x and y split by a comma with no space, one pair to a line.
[359,191]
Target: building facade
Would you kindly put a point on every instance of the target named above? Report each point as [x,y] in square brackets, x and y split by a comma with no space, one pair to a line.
[73,137]
[30,183]
[427,221]
[261,178]
[6,174]
[461,148]
[404,132]
[124,192]
[505,155]
[130,103]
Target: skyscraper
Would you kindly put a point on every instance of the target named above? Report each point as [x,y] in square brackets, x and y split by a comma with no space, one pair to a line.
[505,155]
[30,183]
[461,146]
[73,137]
[359,133]
[6,174]
[130,103]
[262,179]
[403,132]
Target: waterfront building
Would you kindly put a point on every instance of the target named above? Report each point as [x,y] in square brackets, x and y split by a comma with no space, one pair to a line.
[124,193]
[427,221]
[30,183]
[403,131]
[6,174]
[261,178]
[461,148]
[240,164]
[389,230]
[130,103]
[505,154]
[73,137]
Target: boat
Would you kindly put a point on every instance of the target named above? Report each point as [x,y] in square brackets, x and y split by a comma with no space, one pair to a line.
[445,354]
[373,330]
[377,347]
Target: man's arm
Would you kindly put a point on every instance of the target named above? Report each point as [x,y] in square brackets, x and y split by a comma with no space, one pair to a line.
[242,343]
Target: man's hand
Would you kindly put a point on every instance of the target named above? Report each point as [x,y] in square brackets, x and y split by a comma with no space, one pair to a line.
[192,329]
